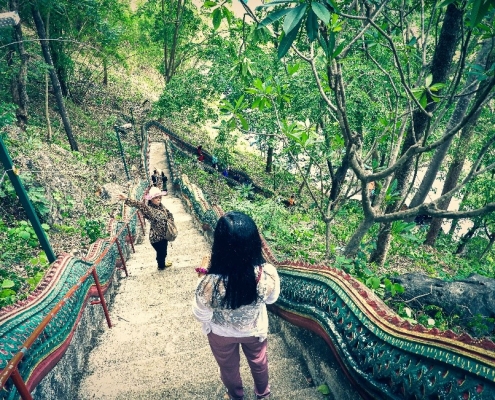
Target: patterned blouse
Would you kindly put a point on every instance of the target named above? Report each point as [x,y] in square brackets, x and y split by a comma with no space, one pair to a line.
[245,321]
[157,215]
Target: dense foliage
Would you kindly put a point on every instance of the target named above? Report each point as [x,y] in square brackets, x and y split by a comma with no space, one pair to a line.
[376,115]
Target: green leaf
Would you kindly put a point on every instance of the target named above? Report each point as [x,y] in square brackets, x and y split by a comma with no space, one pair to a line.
[312,26]
[323,44]
[24,235]
[217,18]
[423,101]
[292,69]
[484,28]
[258,84]
[293,18]
[428,81]
[323,389]
[321,12]
[287,41]
[227,14]
[275,3]
[43,258]
[417,92]
[7,284]
[244,123]
[399,288]
[413,41]
[437,86]
[338,50]
[274,16]
[6,293]
[209,4]
[331,43]
[304,138]
[475,13]
[239,101]
[373,282]
[46,227]
[332,4]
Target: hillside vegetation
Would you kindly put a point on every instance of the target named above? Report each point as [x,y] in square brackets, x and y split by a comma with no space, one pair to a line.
[341,103]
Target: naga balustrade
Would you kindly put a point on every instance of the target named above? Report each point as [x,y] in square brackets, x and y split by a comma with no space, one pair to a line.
[383,355]
[33,339]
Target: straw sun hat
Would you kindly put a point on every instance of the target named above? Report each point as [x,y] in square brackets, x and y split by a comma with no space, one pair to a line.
[155,192]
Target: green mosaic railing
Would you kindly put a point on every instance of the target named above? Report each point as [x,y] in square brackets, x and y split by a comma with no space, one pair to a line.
[386,357]
[383,355]
[21,323]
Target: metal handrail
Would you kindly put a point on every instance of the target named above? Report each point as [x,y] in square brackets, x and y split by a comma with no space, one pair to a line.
[11,370]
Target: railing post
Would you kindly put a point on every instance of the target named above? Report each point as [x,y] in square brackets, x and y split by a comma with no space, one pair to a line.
[117,131]
[102,298]
[26,202]
[122,258]
[130,238]
[20,385]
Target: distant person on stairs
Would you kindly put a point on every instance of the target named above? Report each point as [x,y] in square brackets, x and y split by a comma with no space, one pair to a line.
[231,301]
[154,178]
[158,215]
[201,156]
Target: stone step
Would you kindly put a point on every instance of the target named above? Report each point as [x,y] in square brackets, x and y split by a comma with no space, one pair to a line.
[156,349]
[216,391]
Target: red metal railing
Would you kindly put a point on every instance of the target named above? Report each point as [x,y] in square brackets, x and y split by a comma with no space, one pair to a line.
[11,370]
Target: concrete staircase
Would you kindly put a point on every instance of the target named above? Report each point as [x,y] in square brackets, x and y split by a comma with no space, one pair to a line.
[156,349]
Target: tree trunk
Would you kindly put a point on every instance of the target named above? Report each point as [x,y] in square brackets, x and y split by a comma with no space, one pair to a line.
[19,86]
[170,54]
[40,28]
[47,110]
[328,224]
[303,184]
[338,179]
[352,247]
[382,244]
[105,72]
[452,177]
[269,160]
[488,247]
[440,66]
[471,87]
[455,221]
[467,237]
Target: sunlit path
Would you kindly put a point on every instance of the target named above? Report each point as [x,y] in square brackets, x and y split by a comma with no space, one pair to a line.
[155,349]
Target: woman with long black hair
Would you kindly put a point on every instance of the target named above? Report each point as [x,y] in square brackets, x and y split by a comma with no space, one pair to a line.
[231,302]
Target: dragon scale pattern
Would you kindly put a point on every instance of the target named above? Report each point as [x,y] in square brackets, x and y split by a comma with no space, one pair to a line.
[390,366]
[385,356]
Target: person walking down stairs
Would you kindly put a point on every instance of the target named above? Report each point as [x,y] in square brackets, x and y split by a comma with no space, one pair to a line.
[158,215]
[231,299]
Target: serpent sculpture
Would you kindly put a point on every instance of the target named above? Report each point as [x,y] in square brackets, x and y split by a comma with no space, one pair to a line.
[384,356]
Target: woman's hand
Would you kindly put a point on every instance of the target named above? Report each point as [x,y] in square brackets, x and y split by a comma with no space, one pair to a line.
[122,196]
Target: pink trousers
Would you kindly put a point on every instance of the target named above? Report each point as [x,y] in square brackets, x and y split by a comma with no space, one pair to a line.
[226,352]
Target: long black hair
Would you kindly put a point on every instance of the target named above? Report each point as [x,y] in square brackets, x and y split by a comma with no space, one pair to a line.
[236,251]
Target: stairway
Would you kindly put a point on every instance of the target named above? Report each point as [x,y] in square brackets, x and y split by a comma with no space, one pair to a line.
[156,350]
